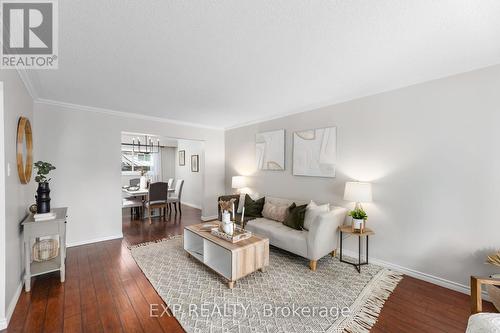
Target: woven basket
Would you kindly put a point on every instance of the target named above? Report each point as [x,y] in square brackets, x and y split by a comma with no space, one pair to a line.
[494,292]
[45,249]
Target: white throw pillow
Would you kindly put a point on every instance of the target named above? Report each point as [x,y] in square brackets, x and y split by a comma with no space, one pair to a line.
[312,211]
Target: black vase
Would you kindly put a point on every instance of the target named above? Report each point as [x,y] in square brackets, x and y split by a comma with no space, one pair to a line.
[43,198]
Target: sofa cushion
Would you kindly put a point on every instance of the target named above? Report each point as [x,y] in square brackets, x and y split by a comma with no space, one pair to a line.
[312,211]
[253,208]
[484,322]
[274,212]
[280,235]
[295,217]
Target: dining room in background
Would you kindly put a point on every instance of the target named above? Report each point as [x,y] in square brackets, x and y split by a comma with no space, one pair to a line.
[160,160]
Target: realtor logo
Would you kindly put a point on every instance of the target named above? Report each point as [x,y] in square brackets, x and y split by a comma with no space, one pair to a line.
[29,34]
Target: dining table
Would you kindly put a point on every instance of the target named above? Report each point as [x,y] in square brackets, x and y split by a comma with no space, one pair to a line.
[142,192]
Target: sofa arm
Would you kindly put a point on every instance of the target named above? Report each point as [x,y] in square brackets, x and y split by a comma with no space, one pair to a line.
[475,287]
[323,234]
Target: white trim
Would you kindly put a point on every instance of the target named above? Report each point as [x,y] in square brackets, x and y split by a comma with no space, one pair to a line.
[209,218]
[190,205]
[13,301]
[27,83]
[418,275]
[95,240]
[121,113]
[4,322]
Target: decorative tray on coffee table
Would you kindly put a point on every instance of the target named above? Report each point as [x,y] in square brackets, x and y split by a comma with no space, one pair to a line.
[238,235]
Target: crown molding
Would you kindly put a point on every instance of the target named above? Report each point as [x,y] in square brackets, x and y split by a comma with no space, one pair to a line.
[122,114]
[23,74]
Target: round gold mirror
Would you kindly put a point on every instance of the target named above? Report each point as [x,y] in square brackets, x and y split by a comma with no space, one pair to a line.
[24,150]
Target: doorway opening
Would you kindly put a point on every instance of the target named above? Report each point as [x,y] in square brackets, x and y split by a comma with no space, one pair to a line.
[162,185]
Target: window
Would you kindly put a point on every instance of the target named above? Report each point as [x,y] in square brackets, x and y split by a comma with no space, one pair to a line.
[134,162]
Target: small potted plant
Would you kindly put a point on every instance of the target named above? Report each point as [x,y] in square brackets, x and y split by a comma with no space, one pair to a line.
[358,218]
[43,191]
[494,291]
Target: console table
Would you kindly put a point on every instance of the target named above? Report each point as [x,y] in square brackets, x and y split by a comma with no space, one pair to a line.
[33,230]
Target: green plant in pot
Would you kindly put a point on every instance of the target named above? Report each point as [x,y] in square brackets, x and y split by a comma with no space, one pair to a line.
[494,291]
[358,218]
[43,191]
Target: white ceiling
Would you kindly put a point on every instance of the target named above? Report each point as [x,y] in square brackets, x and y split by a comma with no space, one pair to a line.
[228,62]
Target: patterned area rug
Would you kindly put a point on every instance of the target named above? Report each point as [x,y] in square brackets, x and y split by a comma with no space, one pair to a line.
[288,297]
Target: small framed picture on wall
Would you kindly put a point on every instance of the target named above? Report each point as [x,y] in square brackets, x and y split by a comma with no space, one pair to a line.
[195,163]
[182,157]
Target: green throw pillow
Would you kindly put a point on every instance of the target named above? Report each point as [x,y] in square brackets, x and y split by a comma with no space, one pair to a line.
[253,208]
[295,217]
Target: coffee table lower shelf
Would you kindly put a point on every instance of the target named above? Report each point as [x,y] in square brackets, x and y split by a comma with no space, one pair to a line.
[231,261]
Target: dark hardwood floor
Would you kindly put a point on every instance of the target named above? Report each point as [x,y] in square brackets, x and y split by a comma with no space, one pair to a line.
[105,291]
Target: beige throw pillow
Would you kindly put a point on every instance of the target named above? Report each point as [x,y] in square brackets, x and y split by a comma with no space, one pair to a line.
[312,211]
[274,212]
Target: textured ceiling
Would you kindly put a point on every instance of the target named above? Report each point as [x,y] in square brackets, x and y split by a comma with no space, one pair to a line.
[223,63]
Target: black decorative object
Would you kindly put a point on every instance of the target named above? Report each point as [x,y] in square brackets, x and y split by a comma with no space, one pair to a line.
[43,191]
[43,198]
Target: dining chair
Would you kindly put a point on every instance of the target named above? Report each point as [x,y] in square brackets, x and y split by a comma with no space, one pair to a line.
[157,198]
[170,182]
[135,206]
[175,198]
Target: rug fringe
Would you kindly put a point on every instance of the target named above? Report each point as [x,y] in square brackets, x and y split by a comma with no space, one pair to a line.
[169,237]
[368,313]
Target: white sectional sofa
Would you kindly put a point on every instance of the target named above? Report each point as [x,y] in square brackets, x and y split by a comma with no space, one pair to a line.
[313,244]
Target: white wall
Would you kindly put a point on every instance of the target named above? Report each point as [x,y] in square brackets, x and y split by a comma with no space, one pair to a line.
[193,181]
[17,102]
[84,145]
[431,152]
[168,163]
[3,319]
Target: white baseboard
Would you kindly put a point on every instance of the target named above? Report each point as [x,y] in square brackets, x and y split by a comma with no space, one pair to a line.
[190,205]
[209,218]
[95,240]
[418,275]
[4,322]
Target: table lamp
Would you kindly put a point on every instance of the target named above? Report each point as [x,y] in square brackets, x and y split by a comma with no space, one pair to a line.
[238,182]
[358,192]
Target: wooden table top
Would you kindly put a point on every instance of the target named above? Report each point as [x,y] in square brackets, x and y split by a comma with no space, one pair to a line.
[144,191]
[197,229]
[348,230]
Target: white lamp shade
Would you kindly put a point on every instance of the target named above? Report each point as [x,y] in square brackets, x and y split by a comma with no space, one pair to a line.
[238,182]
[358,192]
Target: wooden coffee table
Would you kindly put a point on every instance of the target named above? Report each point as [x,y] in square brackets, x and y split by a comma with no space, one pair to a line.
[232,261]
